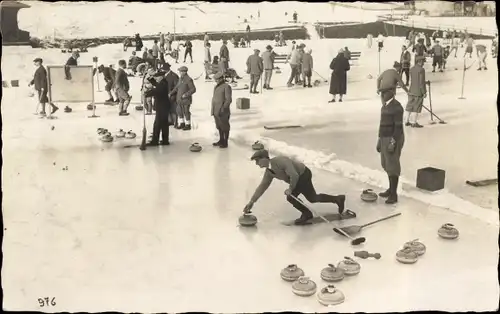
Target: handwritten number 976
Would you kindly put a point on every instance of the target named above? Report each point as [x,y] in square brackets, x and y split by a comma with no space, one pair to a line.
[45,302]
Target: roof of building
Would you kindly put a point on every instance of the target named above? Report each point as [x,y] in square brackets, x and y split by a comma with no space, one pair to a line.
[13,4]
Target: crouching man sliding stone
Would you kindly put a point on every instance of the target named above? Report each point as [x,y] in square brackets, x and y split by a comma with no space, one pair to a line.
[390,143]
[298,176]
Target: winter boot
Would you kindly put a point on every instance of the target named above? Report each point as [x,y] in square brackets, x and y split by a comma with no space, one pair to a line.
[304,218]
[225,137]
[187,127]
[340,201]
[393,190]
[181,126]
[110,100]
[220,139]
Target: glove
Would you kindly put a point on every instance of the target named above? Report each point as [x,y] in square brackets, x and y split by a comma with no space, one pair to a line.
[248,208]
[378,146]
[391,148]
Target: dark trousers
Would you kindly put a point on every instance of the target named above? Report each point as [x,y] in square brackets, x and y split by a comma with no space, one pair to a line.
[294,74]
[406,72]
[306,188]
[188,52]
[161,125]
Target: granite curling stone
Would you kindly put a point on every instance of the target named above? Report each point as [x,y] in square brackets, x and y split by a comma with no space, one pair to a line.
[106,138]
[120,134]
[332,273]
[407,256]
[91,107]
[257,146]
[304,287]
[330,295]
[416,246]
[247,220]
[67,109]
[350,266]
[291,273]
[139,108]
[316,82]
[195,148]
[369,196]
[448,231]
[130,135]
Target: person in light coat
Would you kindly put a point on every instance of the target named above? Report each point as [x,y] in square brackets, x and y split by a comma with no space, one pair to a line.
[417,92]
[185,89]
[207,60]
[221,109]
[255,69]
[294,59]
[481,57]
[307,67]
[268,62]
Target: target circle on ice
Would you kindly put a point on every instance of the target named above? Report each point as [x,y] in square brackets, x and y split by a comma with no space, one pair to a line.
[330,295]
[332,273]
[304,287]
[291,273]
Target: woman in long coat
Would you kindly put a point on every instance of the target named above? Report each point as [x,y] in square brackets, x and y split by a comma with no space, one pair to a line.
[338,82]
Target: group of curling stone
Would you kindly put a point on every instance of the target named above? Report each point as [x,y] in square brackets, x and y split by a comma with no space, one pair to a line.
[107,137]
[329,295]
[413,250]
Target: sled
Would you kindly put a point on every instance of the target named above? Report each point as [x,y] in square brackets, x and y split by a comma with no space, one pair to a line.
[282,127]
[347,214]
[481,183]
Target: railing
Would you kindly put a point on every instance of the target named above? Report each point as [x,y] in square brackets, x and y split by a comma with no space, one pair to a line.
[402,20]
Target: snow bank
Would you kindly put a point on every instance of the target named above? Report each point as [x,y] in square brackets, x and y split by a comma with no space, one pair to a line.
[371,177]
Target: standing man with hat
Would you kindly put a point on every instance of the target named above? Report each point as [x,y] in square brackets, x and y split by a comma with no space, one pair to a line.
[390,142]
[268,62]
[207,60]
[221,102]
[255,68]
[224,57]
[42,86]
[122,87]
[389,80]
[299,178]
[160,92]
[172,79]
[185,89]
[405,60]
[417,92]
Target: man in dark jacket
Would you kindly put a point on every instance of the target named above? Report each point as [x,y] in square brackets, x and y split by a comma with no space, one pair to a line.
[299,178]
[109,77]
[221,102]
[41,86]
[122,87]
[389,80]
[419,49]
[185,89]
[390,143]
[405,60]
[338,82]
[138,43]
[172,79]
[188,50]
[437,57]
[224,57]
[72,61]
[160,92]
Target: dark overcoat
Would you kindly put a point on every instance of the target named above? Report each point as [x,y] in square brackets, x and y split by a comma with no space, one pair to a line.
[338,82]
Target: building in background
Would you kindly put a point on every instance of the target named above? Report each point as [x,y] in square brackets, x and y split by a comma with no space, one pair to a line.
[452,8]
[11,34]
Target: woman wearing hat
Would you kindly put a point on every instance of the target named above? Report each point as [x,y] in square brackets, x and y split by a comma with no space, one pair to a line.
[338,82]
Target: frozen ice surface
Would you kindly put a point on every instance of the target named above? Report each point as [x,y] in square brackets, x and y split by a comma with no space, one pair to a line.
[159,228]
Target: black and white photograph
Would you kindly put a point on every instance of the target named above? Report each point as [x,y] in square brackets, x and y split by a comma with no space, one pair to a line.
[249,157]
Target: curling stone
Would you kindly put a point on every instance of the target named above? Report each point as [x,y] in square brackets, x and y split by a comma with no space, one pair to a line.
[91,107]
[246,86]
[332,273]
[291,273]
[139,108]
[247,220]
[107,138]
[316,82]
[120,134]
[130,135]
[369,76]
[278,71]
[330,295]
[407,256]
[67,109]
[195,148]
[101,131]
[350,266]
[448,231]
[304,287]
[31,94]
[416,246]
[369,196]
[257,146]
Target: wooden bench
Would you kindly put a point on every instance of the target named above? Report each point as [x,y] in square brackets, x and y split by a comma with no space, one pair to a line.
[355,55]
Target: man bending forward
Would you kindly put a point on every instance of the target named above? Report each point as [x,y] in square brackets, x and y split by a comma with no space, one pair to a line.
[298,176]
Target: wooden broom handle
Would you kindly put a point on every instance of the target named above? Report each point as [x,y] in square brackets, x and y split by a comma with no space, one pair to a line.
[381,219]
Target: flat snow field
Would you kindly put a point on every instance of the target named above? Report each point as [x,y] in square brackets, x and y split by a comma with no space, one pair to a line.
[157,231]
